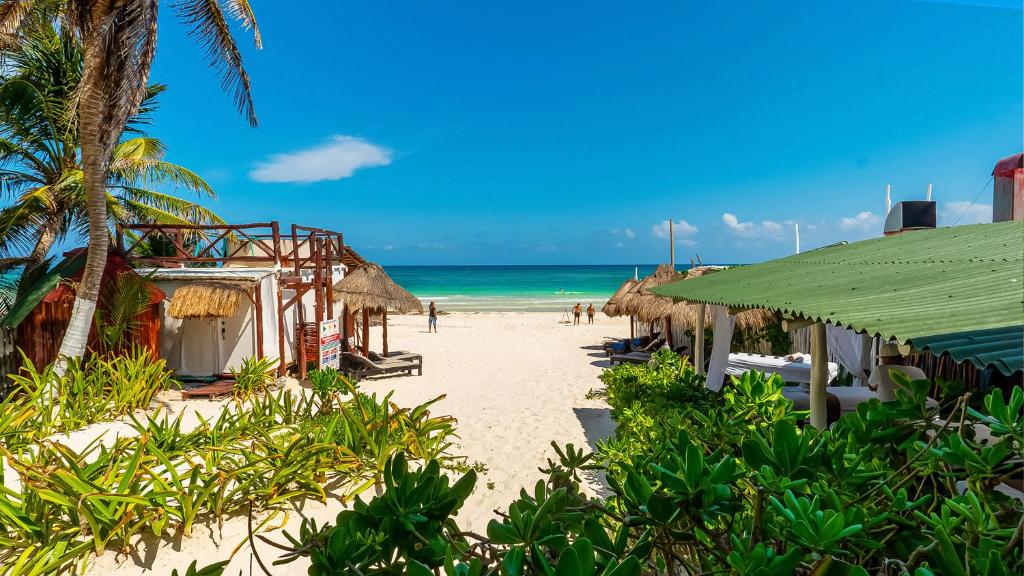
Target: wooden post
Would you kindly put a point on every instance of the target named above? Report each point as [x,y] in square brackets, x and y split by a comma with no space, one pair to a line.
[819,376]
[258,318]
[667,325]
[698,339]
[366,332]
[384,328]
[632,327]
[671,245]
[282,365]
[329,257]
[301,336]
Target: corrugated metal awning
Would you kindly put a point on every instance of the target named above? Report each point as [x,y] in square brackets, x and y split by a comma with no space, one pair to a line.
[927,283]
[1001,348]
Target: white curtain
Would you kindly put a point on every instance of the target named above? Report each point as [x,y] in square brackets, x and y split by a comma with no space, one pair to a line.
[850,349]
[724,324]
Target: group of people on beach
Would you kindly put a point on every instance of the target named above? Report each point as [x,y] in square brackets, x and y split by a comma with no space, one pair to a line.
[577,311]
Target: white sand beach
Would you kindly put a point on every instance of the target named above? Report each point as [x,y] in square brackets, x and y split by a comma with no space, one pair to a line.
[514,381]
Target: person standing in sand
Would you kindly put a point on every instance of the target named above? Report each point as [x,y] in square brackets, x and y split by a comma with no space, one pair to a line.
[432,319]
[590,313]
[576,311]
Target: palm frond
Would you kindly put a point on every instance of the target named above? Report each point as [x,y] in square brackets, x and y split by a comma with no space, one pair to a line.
[21,225]
[149,104]
[125,299]
[12,14]
[210,28]
[123,38]
[139,162]
[165,211]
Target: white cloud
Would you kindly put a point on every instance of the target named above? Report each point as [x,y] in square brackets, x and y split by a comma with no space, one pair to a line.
[964,212]
[681,230]
[862,222]
[764,230]
[334,160]
[629,233]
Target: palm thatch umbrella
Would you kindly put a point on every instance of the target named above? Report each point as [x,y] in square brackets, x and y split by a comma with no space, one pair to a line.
[644,304]
[685,314]
[611,308]
[648,307]
[369,289]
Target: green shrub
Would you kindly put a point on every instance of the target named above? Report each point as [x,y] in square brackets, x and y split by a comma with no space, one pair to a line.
[667,380]
[258,455]
[254,377]
[328,384]
[94,389]
[901,487]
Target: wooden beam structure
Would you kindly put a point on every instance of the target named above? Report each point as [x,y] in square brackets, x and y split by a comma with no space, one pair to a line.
[819,376]
[306,267]
[698,338]
[366,332]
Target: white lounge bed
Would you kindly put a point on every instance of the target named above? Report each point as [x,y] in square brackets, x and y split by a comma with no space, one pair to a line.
[790,370]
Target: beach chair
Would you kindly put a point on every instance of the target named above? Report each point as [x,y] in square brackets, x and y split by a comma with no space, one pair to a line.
[644,356]
[357,367]
[626,345]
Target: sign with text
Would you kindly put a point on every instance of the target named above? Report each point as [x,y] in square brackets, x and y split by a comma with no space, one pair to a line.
[330,344]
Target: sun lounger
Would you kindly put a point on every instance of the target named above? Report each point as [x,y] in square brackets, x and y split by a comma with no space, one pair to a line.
[624,345]
[357,367]
[642,356]
[631,358]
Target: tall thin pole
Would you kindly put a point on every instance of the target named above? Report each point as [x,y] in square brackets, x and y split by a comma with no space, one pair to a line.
[671,245]
[929,198]
[698,345]
[796,230]
[819,376]
[888,199]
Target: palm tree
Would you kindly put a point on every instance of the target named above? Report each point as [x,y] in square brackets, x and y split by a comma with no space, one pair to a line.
[118,39]
[39,163]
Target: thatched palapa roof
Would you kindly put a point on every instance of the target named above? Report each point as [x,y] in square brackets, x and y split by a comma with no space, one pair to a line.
[649,307]
[639,301]
[205,300]
[611,308]
[684,314]
[369,287]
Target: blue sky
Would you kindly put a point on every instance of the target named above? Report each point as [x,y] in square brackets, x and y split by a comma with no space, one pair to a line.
[535,132]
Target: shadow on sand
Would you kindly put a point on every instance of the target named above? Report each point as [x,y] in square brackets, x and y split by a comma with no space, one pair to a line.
[597,425]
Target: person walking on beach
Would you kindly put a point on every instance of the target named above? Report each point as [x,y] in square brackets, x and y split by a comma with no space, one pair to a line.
[576,311]
[590,313]
[432,319]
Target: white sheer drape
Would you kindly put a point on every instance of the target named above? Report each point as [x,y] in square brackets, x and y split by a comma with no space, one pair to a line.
[721,342]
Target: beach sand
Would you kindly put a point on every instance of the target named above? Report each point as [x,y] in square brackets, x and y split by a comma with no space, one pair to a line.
[514,381]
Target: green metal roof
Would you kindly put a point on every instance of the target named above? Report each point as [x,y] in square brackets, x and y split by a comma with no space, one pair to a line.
[1002,348]
[927,283]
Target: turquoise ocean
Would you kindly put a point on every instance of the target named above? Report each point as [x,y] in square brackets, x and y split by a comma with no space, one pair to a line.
[515,288]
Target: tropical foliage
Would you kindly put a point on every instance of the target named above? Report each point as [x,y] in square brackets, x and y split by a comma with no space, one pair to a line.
[256,457]
[736,486]
[41,164]
[94,389]
[118,44]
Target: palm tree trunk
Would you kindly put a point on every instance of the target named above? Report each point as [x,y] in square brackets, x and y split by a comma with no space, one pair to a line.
[46,239]
[95,164]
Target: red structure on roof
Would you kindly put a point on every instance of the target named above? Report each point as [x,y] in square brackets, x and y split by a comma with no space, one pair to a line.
[1007,166]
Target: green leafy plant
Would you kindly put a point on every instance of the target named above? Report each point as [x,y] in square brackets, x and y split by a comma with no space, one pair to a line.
[254,377]
[733,484]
